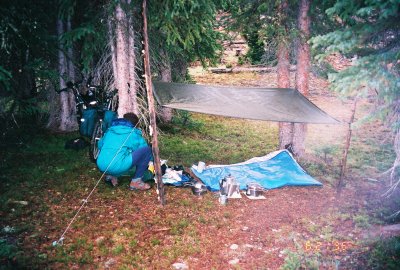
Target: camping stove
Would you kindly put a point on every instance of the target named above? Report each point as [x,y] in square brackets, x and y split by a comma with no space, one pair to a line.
[228,186]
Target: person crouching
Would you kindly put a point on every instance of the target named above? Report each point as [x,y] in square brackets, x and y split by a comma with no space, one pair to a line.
[123,147]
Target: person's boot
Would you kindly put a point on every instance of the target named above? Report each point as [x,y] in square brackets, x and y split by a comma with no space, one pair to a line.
[138,184]
[112,180]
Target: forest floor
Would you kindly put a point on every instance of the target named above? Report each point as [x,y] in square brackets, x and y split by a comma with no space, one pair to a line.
[42,187]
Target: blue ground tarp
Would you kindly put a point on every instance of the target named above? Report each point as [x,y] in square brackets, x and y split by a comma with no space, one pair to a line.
[272,171]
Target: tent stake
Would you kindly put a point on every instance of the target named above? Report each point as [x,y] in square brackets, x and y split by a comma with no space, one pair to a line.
[346,150]
[150,100]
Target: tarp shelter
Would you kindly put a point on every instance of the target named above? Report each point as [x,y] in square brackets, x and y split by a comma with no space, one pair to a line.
[271,104]
[271,171]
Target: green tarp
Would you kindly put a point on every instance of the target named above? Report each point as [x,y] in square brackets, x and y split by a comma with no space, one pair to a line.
[271,104]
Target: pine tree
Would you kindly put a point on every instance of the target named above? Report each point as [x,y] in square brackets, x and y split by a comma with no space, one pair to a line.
[369,34]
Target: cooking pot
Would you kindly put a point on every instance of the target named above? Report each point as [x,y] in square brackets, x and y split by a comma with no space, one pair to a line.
[199,189]
[254,190]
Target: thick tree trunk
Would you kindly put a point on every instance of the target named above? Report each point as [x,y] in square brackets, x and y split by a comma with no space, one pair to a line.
[125,62]
[303,71]
[71,75]
[67,120]
[283,76]
[133,85]
[113,52]
[165,114]
[54,109]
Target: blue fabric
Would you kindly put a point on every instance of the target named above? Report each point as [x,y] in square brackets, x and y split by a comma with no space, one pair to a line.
[115,155]
[122,122]
[140,159]
[280,170]
[109,116]
[88,120]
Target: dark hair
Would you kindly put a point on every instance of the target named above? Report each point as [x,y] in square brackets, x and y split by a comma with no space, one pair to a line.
[131,117]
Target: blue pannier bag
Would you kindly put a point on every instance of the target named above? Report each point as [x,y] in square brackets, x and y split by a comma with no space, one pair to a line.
[88,120]
[108,117]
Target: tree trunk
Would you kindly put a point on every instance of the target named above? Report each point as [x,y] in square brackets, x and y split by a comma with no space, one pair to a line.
[71,75]
[303,71]
[283,75]
[165,114]
[133,85]
[343,164]
[67,121]
[112,51]
[125,62]
[152,113]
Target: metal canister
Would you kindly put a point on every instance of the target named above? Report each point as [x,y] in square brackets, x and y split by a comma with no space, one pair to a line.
[223,199]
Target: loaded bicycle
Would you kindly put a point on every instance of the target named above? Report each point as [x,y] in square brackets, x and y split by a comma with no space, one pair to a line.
[95,109]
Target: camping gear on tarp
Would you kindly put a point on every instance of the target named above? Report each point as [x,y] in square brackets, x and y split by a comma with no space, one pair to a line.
[199,189]
[201,165]
[271,104]
[175,175]
[229,187]
[271,171]
[88,121]
[254,190]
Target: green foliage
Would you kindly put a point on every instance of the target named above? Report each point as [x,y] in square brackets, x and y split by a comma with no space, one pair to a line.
[299,260]
[256,47]
[7,250]
[90,33]
[322,69]
[369,35]
[186,29]
[264,26]
[5,77]
[292,261]
[185,120]
[362,221]
[327,151]
[385,254]
[118,249]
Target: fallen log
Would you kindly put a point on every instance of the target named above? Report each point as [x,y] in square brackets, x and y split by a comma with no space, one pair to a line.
[246,69]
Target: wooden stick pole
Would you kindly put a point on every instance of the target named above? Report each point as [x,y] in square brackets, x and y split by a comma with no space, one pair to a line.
[346,149]
[150,100]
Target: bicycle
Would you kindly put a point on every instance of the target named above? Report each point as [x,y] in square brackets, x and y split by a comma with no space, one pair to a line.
[106,113]
[95,110]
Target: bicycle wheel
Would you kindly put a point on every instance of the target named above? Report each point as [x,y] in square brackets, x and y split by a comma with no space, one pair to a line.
[96,136]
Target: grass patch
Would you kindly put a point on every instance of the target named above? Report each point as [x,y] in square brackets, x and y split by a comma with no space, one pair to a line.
[362,221]
[219,140]
[118,249]
[370,156]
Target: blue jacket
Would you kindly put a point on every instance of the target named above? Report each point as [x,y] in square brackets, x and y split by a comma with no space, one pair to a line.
[110,147]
